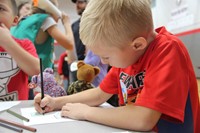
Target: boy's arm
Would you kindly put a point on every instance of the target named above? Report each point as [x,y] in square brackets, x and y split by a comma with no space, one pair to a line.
[91,97]
[130,117]
[127,117]
[27,62]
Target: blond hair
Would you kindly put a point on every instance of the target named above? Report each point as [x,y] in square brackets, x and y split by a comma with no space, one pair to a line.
[115,22]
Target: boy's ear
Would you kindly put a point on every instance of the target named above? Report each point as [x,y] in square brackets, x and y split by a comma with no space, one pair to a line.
[139,43]
[15,21]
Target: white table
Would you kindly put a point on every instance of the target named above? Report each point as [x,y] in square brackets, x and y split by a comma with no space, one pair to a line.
[61,127]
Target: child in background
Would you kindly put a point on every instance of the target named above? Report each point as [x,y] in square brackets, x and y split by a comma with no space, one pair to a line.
[151,72]
[80,49]
[18,58]
[63,70]
[41,29]
[24,9]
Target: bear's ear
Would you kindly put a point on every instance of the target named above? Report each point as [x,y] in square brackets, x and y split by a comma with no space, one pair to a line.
[49,70]
[80,64]
[96,70]
[34,79]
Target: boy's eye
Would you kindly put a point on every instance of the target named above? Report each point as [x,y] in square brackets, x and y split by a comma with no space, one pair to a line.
[2,9]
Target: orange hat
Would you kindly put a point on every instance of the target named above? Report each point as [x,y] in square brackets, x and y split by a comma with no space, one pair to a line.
[35,2]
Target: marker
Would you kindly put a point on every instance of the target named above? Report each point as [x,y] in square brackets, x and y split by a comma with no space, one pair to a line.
[18,115]
[42,85]
[18,125]
[19,130]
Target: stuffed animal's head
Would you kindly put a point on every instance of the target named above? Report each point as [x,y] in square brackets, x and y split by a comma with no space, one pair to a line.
[48,78]
[86,72]
[85,75]
[49,83]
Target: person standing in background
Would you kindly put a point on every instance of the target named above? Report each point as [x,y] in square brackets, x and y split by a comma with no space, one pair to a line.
[41,28]
[18,58]
[24,9]
[44,30]
[80,47]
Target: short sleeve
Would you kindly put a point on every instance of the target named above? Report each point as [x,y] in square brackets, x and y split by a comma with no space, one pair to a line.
[166,79]
[110,82]
[28,46]
[49,21]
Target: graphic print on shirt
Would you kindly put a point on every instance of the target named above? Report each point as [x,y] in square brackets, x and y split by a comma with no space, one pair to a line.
[131,86]
[8,69]
[124,91]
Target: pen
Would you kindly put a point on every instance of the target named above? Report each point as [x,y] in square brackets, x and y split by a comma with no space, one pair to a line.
[19,130]
[41,76]
[18,125]
[18,115]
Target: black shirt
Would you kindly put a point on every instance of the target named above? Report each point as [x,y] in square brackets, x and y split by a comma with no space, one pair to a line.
[80,48]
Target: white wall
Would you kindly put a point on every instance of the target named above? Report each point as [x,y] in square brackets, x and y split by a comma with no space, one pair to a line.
[177,17]
[68,7]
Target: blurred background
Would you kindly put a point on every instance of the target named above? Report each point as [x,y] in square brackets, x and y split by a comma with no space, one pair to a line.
[180,17]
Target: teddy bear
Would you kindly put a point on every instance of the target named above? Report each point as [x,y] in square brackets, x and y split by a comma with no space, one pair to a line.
[50,85]
[85,75]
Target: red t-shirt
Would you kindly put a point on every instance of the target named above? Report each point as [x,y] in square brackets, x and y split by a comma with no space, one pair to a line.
[163,79]
[13,81]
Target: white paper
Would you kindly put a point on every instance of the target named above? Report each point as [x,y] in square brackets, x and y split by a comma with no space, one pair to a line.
[8,105]
[35,118]
[53,117]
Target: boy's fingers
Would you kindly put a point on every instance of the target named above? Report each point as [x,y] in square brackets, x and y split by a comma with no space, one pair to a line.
[64,113]
[37,98]
[39,103]
[44,102]
[38,108]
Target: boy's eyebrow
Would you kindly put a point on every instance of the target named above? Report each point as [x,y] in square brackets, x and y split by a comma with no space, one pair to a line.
[3,3]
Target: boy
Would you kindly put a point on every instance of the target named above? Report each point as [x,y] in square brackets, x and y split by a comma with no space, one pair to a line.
[152,72]
[18,58]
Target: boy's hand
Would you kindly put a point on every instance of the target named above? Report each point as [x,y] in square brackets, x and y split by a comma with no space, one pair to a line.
[4,34]
[76,111]
[48,103]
